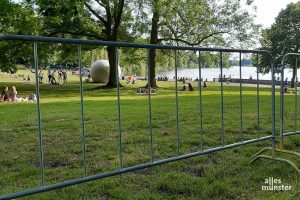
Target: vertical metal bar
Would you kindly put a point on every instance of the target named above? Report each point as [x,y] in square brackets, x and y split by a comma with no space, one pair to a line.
[273,110]
[222,99]
[82,113]
[296,99]
[241,99]
[257,95]
[177,114]
[200,99]
[150,106]
[119,108]
[41,156]
[281,105]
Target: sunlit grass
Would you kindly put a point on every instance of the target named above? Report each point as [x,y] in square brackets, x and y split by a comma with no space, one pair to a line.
[223,175]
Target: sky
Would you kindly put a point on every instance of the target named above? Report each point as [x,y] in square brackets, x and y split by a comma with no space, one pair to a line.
[267,10]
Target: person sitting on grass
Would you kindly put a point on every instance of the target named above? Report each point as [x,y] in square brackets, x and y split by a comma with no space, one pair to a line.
[182,88]
[152,90]
[140,91]
[13,94]
[145,90]
[190,87]
[5,94]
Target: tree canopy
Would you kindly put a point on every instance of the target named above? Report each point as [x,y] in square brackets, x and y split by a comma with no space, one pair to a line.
[283,36]
[194,23]
[16,19]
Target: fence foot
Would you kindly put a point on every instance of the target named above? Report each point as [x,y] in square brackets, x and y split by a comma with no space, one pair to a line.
[258,156]
[261,151]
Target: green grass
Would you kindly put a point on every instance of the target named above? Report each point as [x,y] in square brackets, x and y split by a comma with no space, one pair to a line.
[223,175]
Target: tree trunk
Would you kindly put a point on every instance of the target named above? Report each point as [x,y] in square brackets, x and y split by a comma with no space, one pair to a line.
[112,32]
[152,52]
[152,56]
[112,58]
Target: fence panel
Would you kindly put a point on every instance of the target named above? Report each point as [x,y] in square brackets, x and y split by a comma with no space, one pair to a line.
[204,144]
[286,95]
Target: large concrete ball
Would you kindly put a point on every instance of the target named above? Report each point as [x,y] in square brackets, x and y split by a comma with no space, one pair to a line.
[100,71]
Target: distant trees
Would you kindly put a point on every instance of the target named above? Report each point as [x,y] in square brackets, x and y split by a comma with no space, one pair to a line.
[284,35]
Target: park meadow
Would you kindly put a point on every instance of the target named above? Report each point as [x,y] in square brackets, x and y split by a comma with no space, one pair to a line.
[223,175]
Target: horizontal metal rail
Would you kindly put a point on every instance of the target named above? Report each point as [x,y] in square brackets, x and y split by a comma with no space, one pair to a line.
[291,133]
[128,169]
[123,44]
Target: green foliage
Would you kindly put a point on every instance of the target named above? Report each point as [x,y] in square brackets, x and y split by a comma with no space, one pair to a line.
[66,18]
[198,22]
[194,23]
[284,35]
[16,19]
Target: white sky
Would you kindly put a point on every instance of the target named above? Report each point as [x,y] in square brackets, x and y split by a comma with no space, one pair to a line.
[267,10]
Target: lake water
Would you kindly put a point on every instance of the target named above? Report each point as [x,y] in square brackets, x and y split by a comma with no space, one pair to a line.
[234,71]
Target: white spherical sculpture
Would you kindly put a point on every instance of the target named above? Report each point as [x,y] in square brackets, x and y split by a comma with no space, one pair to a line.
[100,71]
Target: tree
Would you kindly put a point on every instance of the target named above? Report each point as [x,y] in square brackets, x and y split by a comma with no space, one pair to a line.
[16,19]
[95,19]
[194,23]
[283,36]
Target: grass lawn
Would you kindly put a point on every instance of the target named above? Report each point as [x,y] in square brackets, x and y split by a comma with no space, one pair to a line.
[223,175]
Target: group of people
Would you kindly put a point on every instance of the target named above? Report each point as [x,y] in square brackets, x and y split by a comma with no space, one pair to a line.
[27,78]
[131,80]
[164,78]
[190,87]
[224,79]
[62,76]
[11,95]
[183,79]
[145,90]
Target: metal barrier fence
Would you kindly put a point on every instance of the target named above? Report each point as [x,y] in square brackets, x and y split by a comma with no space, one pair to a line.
[283,84]
[85,177]
[284,90]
